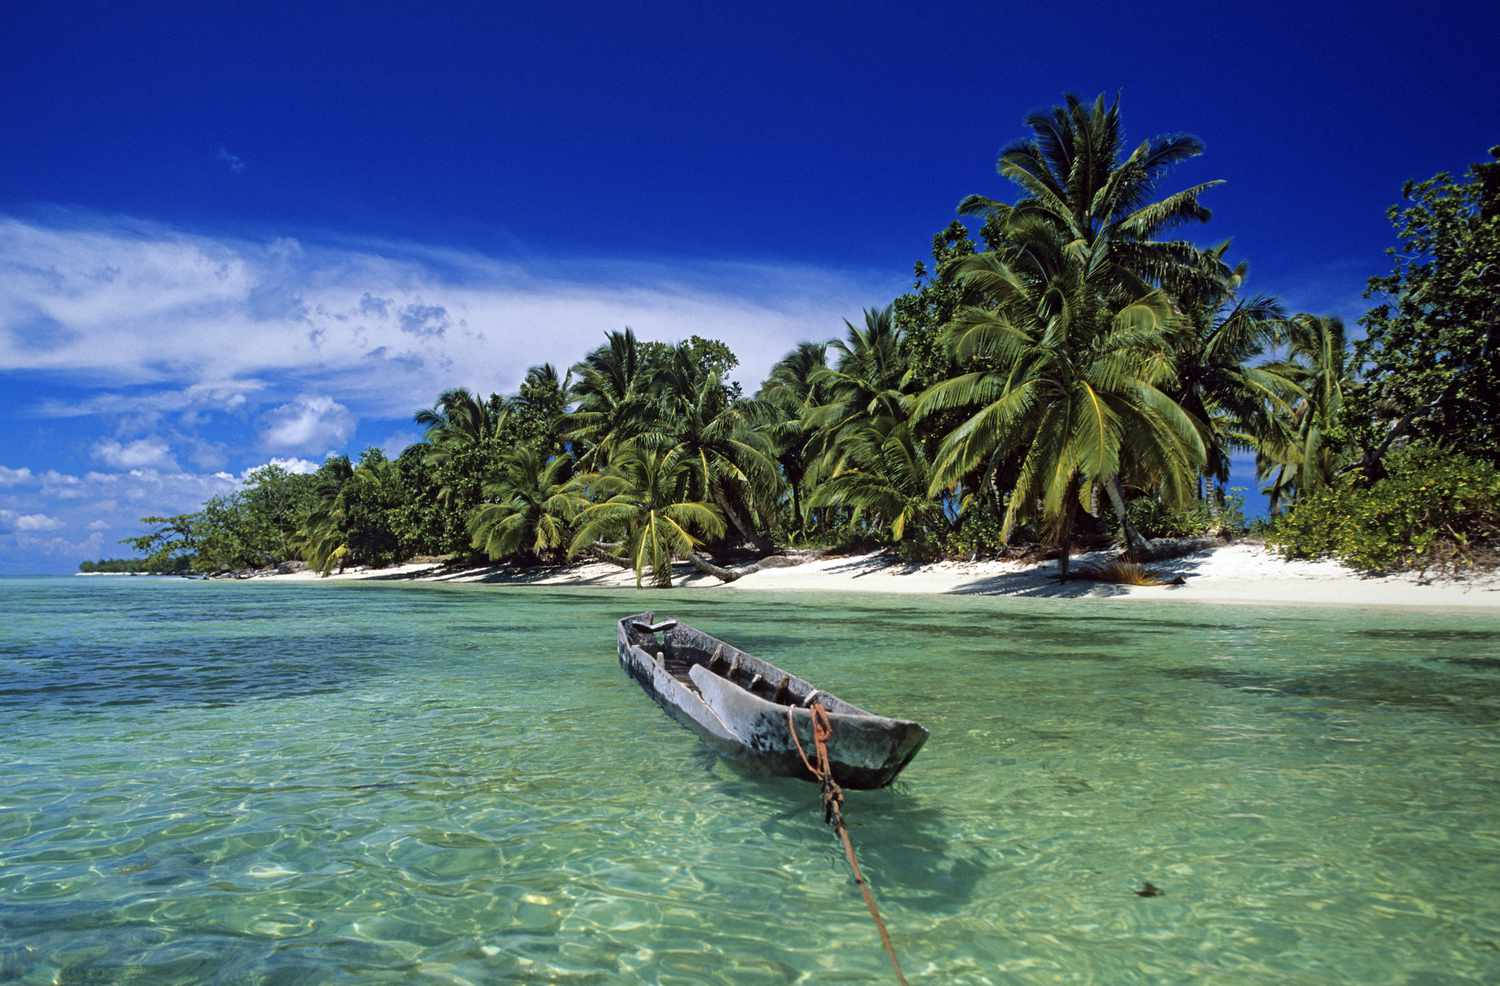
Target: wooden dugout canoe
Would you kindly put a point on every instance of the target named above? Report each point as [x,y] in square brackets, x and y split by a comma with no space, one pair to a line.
[738,704]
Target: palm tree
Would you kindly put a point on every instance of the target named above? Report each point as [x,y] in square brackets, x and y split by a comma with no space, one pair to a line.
[1072,177]
[350,519]
[866,386]
[1295,457]
[613,393]
[780,410]
[533,510]
[733,463]
[538,408]
[645,508]
[461,418]
[1063,381]
[1213,346]
[463,434]
[322,540]
[887,477]
[1065,351]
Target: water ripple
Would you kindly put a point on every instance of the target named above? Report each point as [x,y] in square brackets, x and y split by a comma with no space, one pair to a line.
[250,783]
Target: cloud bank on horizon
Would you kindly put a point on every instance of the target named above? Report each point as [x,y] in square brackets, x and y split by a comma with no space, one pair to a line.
[150,368]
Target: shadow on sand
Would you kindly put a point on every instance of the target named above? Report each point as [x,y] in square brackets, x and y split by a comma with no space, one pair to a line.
[1040,581]
[1037,582]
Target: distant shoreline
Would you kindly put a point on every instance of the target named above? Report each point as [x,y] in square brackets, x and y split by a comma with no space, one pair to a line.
[1232,574]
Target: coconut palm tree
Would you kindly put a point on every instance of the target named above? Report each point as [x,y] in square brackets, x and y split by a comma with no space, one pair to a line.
[351,518]
[464,437]
[780,411]
[322,540]
[1065,348]
[532,509]
[645,510]
[1294,457]
[1064,381]
[1214,344]
[1075,176]
[539,406]
[460,418]
[612,388]
[867,385]
[886,478]
[733,463]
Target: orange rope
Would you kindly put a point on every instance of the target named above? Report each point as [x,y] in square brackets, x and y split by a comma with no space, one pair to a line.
[833,801]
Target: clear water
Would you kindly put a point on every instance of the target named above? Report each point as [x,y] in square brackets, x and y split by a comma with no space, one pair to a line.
[242,783]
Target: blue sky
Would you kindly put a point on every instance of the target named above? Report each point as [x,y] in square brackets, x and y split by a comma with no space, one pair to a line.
[233,237]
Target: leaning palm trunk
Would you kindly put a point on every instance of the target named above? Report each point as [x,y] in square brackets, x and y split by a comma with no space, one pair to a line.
[600,551]
[725,574]
[1135,545]
[762,543]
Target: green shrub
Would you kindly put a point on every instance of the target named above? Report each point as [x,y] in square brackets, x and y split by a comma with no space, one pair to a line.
[976,536]
[1433,510]
[1201,518]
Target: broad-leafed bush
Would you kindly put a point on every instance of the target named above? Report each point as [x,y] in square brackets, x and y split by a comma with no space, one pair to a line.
[1432,511]
[1201,518]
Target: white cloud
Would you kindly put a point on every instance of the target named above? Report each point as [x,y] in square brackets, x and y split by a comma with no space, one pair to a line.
[37,522]
[146,452]
[209,395]
[295,466]
[108,505]
[195,351]
[157,491]
[305,424]
[382,328]
[61,486]
[11,521]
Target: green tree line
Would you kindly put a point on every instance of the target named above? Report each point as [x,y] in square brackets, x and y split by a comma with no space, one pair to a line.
[1074,371]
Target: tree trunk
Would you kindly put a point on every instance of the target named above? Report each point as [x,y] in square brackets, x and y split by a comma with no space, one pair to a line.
[1135,545]
[724,574]
[797,509]
[762,543]
[598,551]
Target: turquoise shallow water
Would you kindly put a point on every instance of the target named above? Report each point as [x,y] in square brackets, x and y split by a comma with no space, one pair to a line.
[239,783]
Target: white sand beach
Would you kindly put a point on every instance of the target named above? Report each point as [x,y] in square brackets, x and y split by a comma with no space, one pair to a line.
[1234,573]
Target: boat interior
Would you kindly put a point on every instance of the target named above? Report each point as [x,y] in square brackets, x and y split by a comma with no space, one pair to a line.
[677,649]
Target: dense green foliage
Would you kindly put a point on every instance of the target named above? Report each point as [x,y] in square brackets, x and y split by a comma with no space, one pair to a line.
[1068,373]
[252,528]
[1392,446]
[1432,510]
[1432,345]
[136,566]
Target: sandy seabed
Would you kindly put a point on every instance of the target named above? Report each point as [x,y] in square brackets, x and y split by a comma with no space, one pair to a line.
[1233,573]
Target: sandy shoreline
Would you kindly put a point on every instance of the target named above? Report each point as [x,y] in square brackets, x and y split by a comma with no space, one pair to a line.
[1235,573]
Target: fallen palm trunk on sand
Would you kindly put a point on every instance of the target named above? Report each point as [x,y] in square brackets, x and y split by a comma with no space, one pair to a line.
[726,574]
[1160,549]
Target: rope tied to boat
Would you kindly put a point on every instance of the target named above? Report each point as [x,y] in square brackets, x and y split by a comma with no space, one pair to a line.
[833,811]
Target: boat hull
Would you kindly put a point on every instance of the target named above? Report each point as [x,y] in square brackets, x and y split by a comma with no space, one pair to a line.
[738,704]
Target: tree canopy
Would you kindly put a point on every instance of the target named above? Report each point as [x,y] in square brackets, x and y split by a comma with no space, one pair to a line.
[1067,370]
